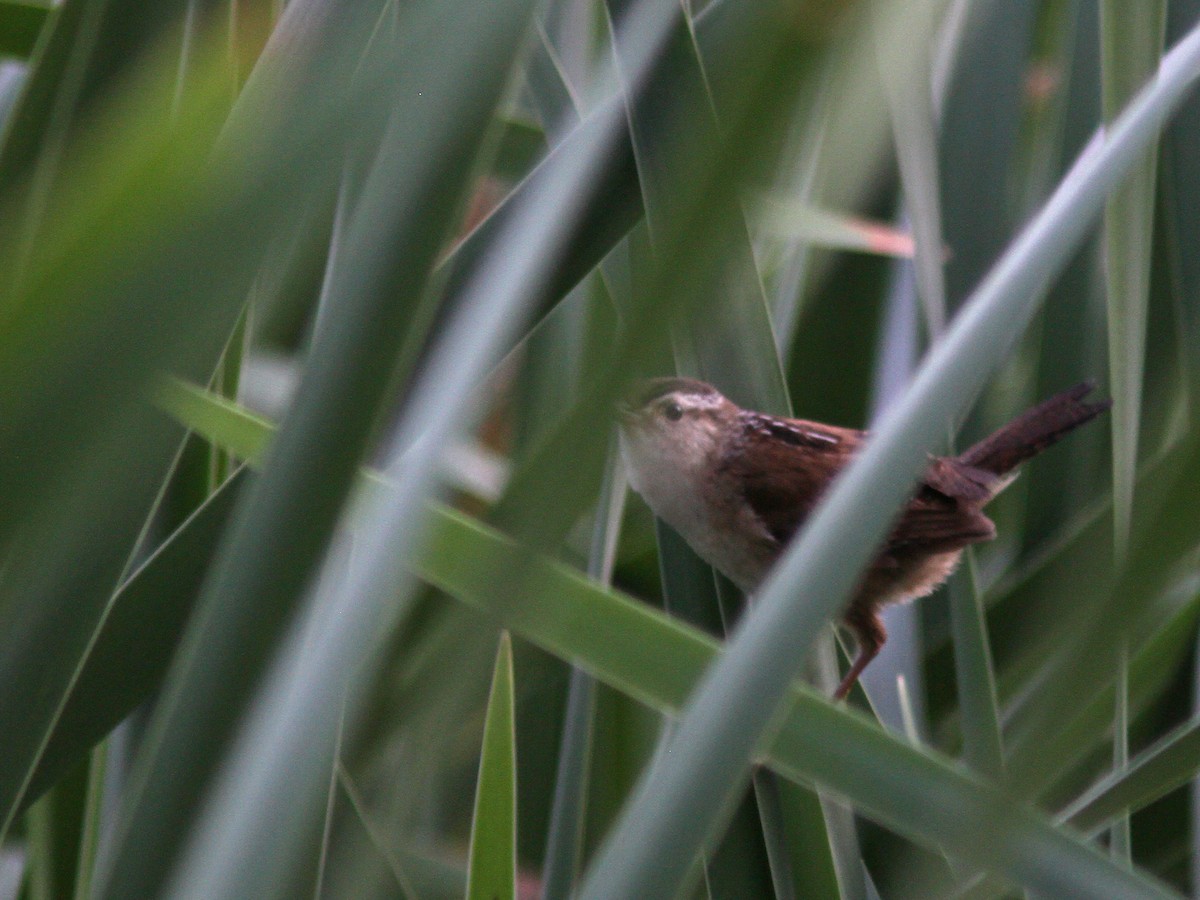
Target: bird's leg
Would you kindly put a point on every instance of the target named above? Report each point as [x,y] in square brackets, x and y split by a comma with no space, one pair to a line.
[870,636]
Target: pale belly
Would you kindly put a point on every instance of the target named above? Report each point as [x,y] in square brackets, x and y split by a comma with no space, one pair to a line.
[740,550]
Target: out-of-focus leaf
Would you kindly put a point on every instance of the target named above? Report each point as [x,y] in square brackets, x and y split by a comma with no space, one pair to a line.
[98,43]
[731,344]
[437,123]
[20,26]
[915,123]
[1165,536]
[520,145]
[1083,746]
[1181,165]
[617,182]
[103,448]
[238,849]
[799,221]
[140,202]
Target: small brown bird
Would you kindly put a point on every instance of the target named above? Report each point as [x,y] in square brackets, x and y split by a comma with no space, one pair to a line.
[737,484]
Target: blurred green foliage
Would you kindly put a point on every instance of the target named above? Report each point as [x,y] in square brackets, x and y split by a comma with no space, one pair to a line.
[312,316]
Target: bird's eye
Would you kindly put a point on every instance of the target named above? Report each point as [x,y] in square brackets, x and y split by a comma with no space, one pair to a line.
[673,411]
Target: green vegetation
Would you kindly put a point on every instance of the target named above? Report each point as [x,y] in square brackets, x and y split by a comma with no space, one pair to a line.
[319,573]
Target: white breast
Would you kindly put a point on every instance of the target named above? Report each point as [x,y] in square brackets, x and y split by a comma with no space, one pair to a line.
[724,534]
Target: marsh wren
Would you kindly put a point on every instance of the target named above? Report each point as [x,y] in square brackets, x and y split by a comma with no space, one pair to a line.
[737,485]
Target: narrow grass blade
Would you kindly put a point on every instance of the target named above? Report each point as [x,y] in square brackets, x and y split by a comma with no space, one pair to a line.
[103,447]
[1051,765]
[564,843]
[740,862]
[1169,764]
[614,201]
[330,807]
[1084,545]
[244,434]
[983,748]
[587,240]
[813,865]
[133,648]
[492,873]
[406,872]
[38,876]
[742,855]
[769,790]
[731,345]
[1126,605]
[909,85]
[1131,42]
[1181,205]
[913,98]
[193,216]
[93,817]
[1120,840]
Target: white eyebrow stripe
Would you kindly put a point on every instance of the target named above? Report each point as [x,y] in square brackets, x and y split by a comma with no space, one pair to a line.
[697,401]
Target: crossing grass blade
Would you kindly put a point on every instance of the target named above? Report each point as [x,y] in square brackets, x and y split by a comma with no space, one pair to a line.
[797,221]
[1153,773]
[132,649]
[915,122]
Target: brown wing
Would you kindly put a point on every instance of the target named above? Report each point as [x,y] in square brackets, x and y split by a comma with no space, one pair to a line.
[958,481]
[935,525]
[785,465]
[944,514]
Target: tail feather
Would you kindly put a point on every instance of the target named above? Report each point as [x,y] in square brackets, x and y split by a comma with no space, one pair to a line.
[1031,433]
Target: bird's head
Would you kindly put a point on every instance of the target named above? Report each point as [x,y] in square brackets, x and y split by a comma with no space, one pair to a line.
[673,428]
